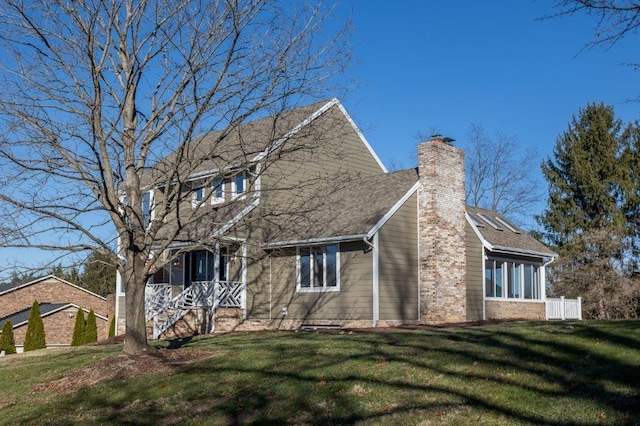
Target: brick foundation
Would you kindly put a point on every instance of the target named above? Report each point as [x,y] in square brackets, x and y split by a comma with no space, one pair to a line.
[514,309]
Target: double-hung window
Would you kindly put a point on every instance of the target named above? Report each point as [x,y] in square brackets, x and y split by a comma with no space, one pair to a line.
[318,268]
[217,191]
[238,184]
[512,279]
[198,196]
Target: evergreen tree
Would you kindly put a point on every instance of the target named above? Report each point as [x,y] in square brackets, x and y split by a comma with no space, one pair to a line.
[7,341]
[99,275]
[35,338]
[79,329]
[586,218]
[112,327]
[91,329]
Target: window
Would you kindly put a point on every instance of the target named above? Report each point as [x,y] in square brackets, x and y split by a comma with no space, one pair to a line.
[217,191]
[490,221]
[476,221]
[522,280]
[318,268]
[198,196]
[146,208]
[238,184]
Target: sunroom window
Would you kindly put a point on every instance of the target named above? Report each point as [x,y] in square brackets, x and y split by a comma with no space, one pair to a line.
[512,279]
[318,268]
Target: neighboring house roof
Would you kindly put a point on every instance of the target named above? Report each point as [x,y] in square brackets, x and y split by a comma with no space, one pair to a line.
[350,211]
[22,317]
[6,288]
[508,238]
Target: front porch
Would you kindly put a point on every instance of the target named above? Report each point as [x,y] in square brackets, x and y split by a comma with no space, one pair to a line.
[183,297]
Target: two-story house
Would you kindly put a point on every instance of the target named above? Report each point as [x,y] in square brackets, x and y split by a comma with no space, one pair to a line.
[312,230]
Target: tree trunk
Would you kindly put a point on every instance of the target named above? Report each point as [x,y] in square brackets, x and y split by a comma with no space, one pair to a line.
[135,341]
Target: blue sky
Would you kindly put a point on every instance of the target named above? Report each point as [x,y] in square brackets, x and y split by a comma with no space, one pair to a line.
[446,64]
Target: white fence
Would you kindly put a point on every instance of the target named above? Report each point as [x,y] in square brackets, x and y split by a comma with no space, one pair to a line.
[564,308]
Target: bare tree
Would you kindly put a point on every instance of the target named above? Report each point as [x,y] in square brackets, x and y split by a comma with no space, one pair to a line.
[498,177]
[616,18]
[96,94]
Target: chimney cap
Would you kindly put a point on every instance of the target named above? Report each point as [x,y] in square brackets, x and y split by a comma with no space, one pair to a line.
[438,138]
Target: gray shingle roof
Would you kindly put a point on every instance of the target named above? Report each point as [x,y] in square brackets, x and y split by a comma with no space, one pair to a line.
[350,210]
[23,316]
[235,147]
[507,240]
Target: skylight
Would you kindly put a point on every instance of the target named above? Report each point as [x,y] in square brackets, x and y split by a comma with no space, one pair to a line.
[508,224]
[490,221]
[476,221]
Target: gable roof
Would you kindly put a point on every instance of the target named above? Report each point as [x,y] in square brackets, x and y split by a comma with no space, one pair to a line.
[22,317]
[505,239]
[6,288]
[349,212]
[241,145]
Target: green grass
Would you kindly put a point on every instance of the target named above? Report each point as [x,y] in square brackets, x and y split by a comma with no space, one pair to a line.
[551,373]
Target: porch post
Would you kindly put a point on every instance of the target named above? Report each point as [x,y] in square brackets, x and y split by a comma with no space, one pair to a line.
[244,280]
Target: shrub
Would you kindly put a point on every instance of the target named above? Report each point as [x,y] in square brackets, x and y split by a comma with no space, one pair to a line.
[7,342]
[112,327]
[35,338]
[91,330]
[79,329]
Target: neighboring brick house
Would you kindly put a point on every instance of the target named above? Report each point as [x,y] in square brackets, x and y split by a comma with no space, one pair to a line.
[59,301]
[372,249]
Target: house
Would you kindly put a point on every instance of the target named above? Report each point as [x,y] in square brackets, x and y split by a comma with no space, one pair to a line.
[321,235]
[59,301]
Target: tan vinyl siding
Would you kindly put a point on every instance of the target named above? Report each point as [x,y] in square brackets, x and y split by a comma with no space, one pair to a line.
[398,265]
[474,274]
[351,302]
[310,162]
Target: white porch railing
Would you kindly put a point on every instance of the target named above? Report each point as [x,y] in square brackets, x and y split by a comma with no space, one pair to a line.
[200,294]
[563,308]
[155,297]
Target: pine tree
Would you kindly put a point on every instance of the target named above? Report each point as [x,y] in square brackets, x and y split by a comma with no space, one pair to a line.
[91,329]
[7,341]
[586,219]
[79,329]
[99,275]
[35,338]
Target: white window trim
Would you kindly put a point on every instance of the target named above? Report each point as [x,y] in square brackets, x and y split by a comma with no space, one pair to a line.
[323,289]
[214,198]
[194,199]
[505,281]
[234,188]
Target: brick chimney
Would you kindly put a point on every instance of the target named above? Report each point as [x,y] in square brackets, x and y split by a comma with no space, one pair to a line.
[441,226]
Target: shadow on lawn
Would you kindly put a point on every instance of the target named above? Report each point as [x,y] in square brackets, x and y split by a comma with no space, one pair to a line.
[308,378]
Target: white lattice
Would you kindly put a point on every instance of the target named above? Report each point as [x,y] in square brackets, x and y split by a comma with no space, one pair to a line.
[229,294]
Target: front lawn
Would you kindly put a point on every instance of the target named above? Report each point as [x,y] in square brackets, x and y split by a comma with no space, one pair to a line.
[516,373]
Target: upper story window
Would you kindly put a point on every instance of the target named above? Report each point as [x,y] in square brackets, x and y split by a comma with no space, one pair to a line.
[197,197]
[512,279]
[146,208]
[318,268]
[238,184]
[217,191]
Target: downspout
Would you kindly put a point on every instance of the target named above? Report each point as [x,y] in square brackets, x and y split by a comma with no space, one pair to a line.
[375,280]
[270,290]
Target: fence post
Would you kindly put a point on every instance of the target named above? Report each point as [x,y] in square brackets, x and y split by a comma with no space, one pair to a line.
[580,308]
[562,307]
